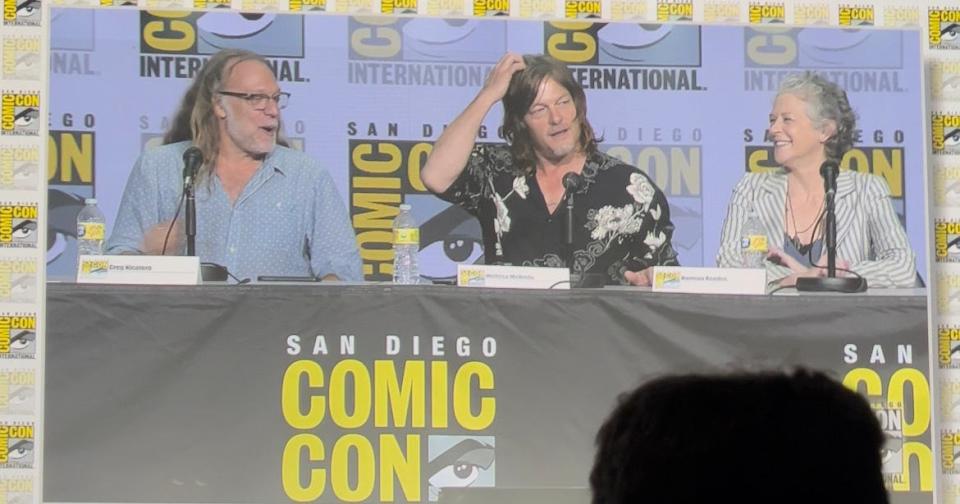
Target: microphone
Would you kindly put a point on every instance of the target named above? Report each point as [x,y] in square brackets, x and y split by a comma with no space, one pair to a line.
[829,171]
[572,182]
[192,159]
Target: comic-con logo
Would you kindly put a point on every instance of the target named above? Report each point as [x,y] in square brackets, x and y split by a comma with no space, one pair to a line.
[948,347]
[18,225]
[21,12]
[945,80]
[20,113]
[18,335]
[213,4]
[627,55]
[581,9]
[419,451]
[856,15]
[385,173]
[21,58]
[674,10]
[950,392]
[393,51]
[16,489]
[766,12]
[308,5]
[890,417]
[18,280]
[901,15]
[946,239]
[17,391]
[945,133]
[948,293]
[721,12]
[175,44]
[398,6]
[950,451]
[16,445]
[943,27]
[621,10]
[946,186]
[485,8]
[811,13]
[858,60]
[19,167]
[546,9]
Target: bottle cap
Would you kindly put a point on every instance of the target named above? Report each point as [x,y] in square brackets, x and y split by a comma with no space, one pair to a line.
[404,206]
[90,201]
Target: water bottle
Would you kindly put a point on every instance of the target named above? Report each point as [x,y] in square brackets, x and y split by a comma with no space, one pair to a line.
[753,242]
[406,247]
[91,229]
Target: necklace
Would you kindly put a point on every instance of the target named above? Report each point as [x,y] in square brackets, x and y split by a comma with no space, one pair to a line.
[795,239]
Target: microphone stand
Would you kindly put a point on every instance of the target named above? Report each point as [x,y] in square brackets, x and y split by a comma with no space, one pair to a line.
[568,235]
[191,217]
[831,283]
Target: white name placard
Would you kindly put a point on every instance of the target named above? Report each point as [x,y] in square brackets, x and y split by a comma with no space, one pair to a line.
[139,269]
[709,280]
[513,277]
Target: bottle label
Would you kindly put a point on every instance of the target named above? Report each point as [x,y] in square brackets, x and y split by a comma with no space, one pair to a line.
[90,231]
[406,236]
[754,243]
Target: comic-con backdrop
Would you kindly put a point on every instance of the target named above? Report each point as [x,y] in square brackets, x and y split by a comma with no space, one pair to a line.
[370,96]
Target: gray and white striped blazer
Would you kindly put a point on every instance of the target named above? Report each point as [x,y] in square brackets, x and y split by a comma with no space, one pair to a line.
[869,234]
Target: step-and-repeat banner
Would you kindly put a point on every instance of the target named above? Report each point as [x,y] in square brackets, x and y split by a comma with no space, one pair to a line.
[686,103]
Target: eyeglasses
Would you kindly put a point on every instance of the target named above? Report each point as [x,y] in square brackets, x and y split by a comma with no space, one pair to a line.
[259,100]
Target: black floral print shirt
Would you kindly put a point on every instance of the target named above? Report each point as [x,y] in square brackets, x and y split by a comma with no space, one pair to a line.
[621,219]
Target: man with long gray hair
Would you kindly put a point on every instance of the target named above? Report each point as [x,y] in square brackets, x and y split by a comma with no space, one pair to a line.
[262,208]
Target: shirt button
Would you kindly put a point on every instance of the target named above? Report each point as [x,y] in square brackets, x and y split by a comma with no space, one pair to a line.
[233,250]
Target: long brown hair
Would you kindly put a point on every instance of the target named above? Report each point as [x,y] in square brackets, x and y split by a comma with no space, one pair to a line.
[523,89]
[195,120]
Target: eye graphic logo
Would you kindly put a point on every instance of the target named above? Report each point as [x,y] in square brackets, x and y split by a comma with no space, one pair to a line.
[16,445]
[623,44]
[811,13]
[948,347]
[460,461]
[943,28]
[17,392]
[21,12]
[890,417]
[819,48]
[20,114]
[945,80]
[18,281]
[721,12]
[426,40]
[18,226]
[21,58]
[19,167]
[203,33]
[18,335]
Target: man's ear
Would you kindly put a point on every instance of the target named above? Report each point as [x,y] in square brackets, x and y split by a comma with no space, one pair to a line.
[218,109]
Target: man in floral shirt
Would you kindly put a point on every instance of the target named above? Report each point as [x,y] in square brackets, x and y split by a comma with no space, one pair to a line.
[621,220]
